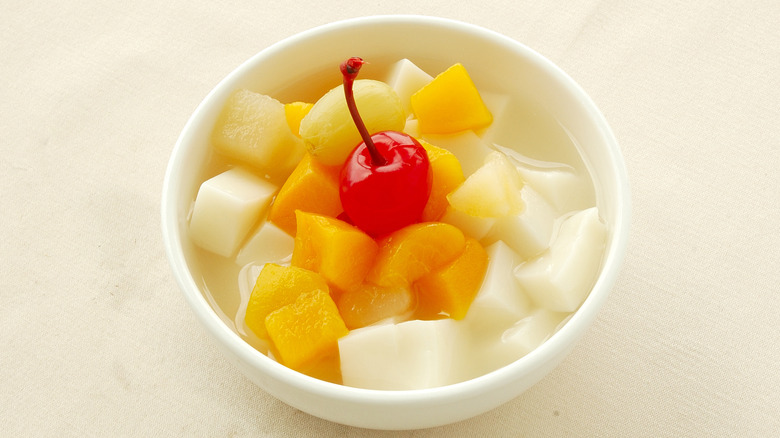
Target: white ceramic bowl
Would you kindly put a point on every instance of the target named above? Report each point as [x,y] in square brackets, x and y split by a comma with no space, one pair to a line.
[434,43]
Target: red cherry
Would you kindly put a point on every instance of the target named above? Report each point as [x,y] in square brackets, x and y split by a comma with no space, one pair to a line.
[386,180]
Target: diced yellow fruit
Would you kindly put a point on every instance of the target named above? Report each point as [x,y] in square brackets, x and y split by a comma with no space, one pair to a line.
[295,112]
[370,303]
[492,191]
[253,129]
[340,252]
[450,289]
[306,330]
[413,251]
[278,286]
[446,175]
[328,130]
[312,187]
[450,103]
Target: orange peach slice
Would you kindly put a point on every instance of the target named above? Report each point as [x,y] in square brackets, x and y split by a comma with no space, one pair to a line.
[278,286]
[447,175]
[340,252]
[305,330]
[311,187]
[450,289]
[413,251]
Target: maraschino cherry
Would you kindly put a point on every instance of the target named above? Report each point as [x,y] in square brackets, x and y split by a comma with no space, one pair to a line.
[386,180]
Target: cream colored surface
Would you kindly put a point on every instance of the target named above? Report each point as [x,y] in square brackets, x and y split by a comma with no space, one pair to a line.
[97,340]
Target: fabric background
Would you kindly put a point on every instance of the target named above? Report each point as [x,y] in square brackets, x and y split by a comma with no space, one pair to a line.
[97,340]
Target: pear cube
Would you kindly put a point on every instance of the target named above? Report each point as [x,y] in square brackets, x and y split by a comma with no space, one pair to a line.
[491,191]
[472,226]
[227,207]
[560,279]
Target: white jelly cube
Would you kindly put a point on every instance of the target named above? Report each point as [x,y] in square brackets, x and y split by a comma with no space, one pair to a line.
[406,78]
[529,232]
[467,147]
[496,103]
[472,226]
[269,243]
[227,207]
[500,301]
[410,355]
[520,339]
[560,279]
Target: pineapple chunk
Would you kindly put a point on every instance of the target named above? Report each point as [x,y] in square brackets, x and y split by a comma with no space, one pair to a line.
[450,103]
[253,129]
[561,278]
[330,134]
[406,78]
[492,191]
[226,208]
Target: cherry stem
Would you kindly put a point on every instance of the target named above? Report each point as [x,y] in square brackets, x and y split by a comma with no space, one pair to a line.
[350,69]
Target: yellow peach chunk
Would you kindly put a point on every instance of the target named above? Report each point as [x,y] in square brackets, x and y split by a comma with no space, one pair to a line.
[306,330]
[295,112]
[447,175]
[450,289]
[278,286]
[450,103]
[311,187]
[370,303]
[340,252]
[413,251]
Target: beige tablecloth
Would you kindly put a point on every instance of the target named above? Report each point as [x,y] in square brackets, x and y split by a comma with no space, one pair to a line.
[97,340]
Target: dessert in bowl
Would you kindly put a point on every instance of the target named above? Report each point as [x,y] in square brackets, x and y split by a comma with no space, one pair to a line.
[519,268]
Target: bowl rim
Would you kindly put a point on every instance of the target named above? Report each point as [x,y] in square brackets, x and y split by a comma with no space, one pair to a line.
[563,339]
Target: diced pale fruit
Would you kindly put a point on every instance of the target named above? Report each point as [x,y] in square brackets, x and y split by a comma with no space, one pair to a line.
[472,226]
[295,112]
[278,286]
[328,130]
[446,176]
[406,79]
[411,252]
[369,304]
[410,355]
[557,182]
[268,244]
[468,148]
[492,191]
[253,129]
[412,127]
[450,103]
[529,232]
[305,330]
[312,187]
[449,290]
[342,253]
[517,341]
[560,279]
[227,207]
[500,301]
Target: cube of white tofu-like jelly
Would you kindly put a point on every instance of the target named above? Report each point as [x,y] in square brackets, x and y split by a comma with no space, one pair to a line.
[472,226]
[406,78]
[253,129]
[565,189]
[409,355]
[529,232]
[267,244]
[227,207]
[500,301]
[561,278]
[519,339]
[496,103]
[467,147]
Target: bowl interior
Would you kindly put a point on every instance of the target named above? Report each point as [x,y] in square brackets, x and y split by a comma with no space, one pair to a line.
[306,65]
